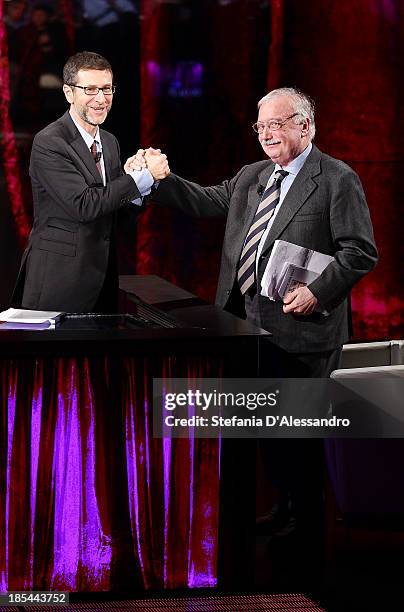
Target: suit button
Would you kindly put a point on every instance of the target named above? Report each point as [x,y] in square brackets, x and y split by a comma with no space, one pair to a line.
[228,292]
[106,238]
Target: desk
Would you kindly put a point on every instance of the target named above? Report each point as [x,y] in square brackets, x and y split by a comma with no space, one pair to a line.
[89,500]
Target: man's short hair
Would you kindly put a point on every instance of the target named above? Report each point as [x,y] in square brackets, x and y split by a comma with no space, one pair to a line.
[302,104]
[85,60]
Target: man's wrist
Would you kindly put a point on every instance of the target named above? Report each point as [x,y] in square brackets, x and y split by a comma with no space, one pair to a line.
[144,180]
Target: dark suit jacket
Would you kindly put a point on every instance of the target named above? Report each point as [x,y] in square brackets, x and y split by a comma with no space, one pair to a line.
[64,265]
[325,209]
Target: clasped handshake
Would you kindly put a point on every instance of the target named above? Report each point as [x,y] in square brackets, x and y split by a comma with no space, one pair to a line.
[152,159]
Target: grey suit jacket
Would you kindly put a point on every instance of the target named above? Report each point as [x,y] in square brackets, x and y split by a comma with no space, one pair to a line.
[325,209]
[64,265]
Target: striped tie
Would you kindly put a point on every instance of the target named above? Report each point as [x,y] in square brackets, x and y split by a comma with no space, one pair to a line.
[265,210]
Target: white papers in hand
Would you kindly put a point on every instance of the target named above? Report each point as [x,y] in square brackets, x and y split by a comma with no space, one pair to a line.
[290,266]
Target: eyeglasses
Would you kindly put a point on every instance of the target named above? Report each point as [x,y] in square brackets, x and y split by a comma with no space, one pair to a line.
[273,124]
[108,90]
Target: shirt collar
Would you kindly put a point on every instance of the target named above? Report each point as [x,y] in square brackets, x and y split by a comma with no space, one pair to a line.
[296,164]
[88,139]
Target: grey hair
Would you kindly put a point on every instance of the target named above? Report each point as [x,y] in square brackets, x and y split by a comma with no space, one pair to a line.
[302,104]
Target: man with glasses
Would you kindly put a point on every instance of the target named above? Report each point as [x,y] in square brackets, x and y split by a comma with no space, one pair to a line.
[305,197]
[320,205]
[78,190]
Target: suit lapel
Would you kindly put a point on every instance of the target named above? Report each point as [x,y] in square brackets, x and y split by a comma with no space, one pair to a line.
[77,143]
[301,189]
[86,157]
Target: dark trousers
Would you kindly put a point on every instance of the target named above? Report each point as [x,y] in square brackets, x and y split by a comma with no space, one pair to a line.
[107,301]
[295,467]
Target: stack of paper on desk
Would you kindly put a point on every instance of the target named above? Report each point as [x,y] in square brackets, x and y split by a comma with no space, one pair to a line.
[15,318]
[290,266]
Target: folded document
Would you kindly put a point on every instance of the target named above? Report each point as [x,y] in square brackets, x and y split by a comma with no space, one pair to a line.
[291,266]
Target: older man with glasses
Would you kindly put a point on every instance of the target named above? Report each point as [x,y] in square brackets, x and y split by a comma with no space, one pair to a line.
[79,188]
[303,196]
[315,202]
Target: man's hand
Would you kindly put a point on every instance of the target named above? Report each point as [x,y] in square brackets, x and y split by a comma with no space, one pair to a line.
[152,159]
[300,301]
[157,164]
[136,162]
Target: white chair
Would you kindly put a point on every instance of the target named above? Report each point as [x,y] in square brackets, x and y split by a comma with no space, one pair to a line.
[367,354]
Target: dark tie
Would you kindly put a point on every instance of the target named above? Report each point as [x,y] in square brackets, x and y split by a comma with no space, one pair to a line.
[265,210]
[97,157]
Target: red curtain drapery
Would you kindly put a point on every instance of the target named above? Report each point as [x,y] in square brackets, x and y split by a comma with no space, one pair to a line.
[8,143]
[348,56]
[89,499]
[275,51]
[67,13]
